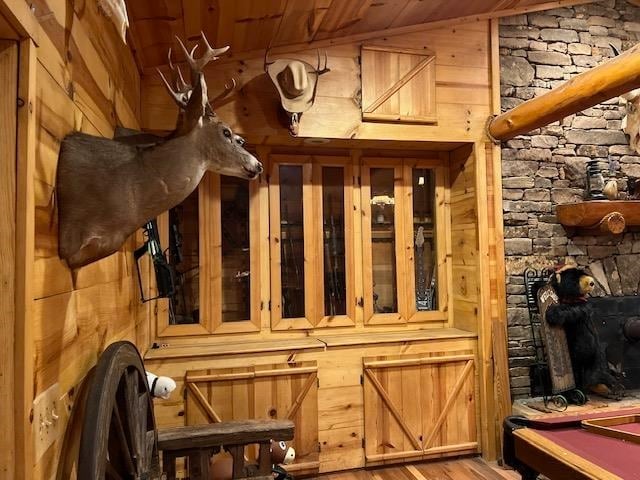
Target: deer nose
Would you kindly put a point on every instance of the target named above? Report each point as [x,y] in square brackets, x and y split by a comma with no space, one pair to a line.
[259,168]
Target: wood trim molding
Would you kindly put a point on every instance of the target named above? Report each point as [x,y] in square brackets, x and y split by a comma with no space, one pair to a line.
[9,55]
[21,18]
[25,259]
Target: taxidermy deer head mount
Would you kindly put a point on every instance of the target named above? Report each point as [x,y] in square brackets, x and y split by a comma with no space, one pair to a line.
[631,121]
[296,82]
[107,189]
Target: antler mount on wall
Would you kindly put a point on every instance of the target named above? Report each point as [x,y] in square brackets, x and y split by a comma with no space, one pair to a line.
[107,189]
[296,82]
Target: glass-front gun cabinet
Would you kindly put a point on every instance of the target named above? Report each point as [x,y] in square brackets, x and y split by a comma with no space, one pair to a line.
[320,241]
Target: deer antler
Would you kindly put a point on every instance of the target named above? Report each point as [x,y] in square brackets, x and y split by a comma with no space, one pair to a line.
[192,99]
[197,65]
[228,88]
[179,90]
[324,69]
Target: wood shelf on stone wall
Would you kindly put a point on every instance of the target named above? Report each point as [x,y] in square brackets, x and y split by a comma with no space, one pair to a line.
[600,217]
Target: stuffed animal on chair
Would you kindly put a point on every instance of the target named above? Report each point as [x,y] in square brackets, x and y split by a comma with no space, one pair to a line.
[574,313]
[221,465]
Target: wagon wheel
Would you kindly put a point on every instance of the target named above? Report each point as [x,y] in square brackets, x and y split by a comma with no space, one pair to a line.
[119,439]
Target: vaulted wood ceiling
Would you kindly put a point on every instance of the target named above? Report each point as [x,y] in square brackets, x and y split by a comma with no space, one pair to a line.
[250,25]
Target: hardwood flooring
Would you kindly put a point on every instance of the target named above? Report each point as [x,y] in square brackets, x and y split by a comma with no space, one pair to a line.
[456,469]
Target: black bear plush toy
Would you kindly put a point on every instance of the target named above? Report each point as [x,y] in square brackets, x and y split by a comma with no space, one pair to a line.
[573,312]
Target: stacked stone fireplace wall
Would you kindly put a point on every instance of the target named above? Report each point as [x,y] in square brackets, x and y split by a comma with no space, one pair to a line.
[539,51]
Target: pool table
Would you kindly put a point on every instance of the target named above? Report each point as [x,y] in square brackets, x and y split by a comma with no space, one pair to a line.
[561,449]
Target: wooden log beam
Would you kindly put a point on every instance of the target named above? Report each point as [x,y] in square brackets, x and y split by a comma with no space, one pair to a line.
[610,79]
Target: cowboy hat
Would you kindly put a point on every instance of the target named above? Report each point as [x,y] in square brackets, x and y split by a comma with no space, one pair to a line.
[296,82]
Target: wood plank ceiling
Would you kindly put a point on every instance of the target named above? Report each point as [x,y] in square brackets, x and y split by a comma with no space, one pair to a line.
[250,25]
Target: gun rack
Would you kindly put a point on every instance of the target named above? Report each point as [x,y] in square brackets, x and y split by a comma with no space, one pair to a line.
[600,217]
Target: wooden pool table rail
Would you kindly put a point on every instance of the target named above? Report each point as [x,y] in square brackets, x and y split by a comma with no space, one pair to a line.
[554,461]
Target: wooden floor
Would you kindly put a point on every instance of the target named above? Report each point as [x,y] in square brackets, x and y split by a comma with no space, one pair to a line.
[457,469]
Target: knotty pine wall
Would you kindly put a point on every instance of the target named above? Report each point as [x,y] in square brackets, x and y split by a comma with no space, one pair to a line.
[86,80]
[467,92]
[463,91]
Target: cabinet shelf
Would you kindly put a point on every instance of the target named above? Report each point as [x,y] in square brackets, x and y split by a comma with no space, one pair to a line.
[600,216]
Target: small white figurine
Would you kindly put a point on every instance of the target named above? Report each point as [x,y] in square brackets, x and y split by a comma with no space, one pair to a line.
[160,387]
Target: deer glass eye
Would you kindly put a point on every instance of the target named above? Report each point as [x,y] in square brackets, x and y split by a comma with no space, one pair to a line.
[227,133]
[240,141]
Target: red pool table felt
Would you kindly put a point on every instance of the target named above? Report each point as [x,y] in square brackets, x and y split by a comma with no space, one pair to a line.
[616,456]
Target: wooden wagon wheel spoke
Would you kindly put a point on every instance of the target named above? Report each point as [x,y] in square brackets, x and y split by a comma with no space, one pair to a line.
[119,439]
[112,472]
[131,395]
[143,418]
[121,444]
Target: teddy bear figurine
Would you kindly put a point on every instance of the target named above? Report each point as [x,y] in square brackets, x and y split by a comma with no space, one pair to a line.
[574,313]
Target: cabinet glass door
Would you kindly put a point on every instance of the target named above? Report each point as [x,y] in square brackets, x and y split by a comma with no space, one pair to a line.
[333,196]
[423,226]
[383,258]
[293,253]
[425,240]
[292,264]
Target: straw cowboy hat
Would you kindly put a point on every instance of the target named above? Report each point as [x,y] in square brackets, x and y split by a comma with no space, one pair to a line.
[296,82]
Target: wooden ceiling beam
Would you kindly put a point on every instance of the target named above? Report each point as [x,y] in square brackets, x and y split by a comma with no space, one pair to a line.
[610,79]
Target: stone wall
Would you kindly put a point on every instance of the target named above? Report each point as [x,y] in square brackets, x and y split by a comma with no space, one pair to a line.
[538,52]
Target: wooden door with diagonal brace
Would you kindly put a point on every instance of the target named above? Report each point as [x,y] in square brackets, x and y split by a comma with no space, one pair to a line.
[281,391]
[398,84]
[419,406]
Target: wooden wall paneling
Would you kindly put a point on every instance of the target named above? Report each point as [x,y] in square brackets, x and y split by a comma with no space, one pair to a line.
[371,317]
[8,174]
[398,84]
[25,236]
[57,115]
[462,86]
[464,239]
[487,370]
[82,79]
[497,257]
[445,258]
[497,294]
